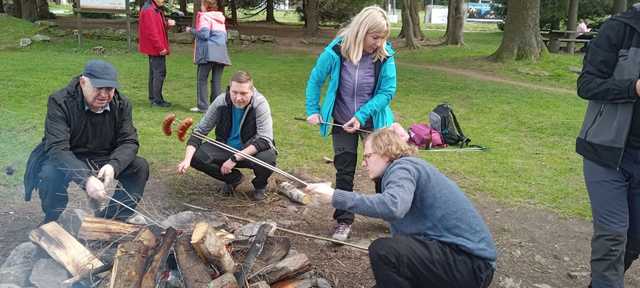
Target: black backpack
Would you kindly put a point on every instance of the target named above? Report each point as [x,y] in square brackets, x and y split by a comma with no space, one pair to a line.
[444,120]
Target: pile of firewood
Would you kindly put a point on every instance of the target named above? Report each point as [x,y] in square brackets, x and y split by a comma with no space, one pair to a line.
[203,254]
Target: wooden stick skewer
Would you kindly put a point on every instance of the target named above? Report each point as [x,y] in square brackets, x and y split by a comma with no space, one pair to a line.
[360,248]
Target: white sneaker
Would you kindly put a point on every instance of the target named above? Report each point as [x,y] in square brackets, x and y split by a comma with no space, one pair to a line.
[195,109]
[341,232]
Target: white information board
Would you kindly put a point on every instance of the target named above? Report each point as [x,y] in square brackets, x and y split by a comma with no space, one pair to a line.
[437,14]
[103,4]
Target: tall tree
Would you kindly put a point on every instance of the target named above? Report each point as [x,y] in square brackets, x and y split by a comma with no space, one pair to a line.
[521,39]
[17,8]
[270,11]
[411,8]
[311,17]
[1,6]
[43,9]
[29,10]
[233,5]
[407,25]
[196,8]
[572,22]
[183,6]
[619,6]
[455,23]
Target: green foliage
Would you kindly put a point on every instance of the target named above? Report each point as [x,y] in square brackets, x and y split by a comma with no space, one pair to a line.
[337,11]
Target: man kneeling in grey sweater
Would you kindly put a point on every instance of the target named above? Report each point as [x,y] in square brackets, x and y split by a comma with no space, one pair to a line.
[438,239]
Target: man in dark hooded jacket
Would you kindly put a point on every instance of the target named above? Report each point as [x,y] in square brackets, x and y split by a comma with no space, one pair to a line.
[89,139]
[609,141]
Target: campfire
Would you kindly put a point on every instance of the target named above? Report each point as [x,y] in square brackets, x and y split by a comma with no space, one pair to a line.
[189,249]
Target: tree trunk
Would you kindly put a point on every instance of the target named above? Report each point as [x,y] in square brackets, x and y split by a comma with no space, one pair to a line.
[415,19]
[43,9]
[221,7]
[1,6]
[455,23]
[407,26]
[183,6]
[271,18]
[29,11]
[619,6]
[521,39]
[196,8]
[572,24]
[311,17]
[17,11]
[234,12]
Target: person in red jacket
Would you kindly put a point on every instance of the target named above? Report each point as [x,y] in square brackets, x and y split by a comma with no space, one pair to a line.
[153,41]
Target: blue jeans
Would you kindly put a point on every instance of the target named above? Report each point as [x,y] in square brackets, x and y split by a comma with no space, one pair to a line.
[615,205]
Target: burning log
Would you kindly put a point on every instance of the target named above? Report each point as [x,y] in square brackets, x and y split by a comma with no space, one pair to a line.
[150,278]
[130,260]
[293,193]
[210,245]
[93,228]
[285,269]
[227,280]
[194,272]
[65,249]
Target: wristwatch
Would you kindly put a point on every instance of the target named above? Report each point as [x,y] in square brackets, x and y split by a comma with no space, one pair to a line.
[233,159]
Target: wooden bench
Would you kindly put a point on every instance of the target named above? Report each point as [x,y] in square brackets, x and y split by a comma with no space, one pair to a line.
[555,38]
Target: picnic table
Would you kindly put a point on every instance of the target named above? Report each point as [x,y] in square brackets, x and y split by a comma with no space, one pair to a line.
[555,38]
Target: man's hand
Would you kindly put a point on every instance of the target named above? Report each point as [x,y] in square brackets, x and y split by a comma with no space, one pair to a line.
[164,52]
[321,191]
[314,119]
[184,166]
[227,166]
[352,126]
[106,173]
[95,189]
[171,22]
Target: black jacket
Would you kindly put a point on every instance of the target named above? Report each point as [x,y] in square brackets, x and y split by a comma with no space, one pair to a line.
[609,75]
[69,136]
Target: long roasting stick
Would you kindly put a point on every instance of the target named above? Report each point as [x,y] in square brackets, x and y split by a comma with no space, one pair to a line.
[184,127]
[361,248]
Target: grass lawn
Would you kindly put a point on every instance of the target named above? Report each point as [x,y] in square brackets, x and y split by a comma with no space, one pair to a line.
[530,133]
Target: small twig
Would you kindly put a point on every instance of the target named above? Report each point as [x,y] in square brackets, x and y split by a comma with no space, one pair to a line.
[361,248]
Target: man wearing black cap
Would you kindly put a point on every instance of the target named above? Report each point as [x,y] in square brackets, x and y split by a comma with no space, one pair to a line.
[89,139]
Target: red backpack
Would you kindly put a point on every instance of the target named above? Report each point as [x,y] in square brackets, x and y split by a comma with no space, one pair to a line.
[425,137]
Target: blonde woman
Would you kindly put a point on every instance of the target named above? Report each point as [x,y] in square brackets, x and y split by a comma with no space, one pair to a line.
[438,239]
[362,81]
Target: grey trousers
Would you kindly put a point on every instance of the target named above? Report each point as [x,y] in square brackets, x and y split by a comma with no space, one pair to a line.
[615,205]
[203,97]
[157,73]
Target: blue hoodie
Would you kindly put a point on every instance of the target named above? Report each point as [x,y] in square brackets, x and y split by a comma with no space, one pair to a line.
[328,65]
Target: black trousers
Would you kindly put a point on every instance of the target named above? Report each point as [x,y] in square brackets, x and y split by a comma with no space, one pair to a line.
[345,158]
[615,205]
[411,261]
[204,97]
[54,196]
[157,73]
[209,158]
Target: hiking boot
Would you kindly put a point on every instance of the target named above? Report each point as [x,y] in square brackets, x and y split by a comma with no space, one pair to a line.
[258,194]
[341,232]
[228,189]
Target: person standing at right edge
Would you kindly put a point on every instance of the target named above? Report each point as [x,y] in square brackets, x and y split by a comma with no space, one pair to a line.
[361,67]
[609,141]
[153,41]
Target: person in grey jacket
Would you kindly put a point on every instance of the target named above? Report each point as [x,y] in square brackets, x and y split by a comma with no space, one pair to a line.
[609,141]
[242,119]
[438,239]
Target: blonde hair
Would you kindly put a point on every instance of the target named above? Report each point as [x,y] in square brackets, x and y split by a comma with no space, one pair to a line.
[386,142]
[372,19]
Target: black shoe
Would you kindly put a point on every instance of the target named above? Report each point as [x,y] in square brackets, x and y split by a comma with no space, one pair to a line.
[258,194]
[163,104]
[228,189]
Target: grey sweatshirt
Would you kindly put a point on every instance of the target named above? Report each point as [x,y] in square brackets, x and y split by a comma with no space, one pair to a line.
[417,199]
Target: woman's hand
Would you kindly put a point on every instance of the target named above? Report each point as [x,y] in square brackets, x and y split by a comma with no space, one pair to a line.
[352,126]
[321,191]
[314,119]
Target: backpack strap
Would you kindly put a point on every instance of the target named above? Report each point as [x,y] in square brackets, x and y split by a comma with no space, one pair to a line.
[465,141]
